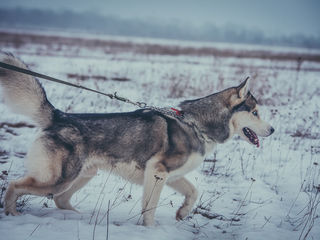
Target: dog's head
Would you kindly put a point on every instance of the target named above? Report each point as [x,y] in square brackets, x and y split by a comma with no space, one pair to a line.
[246,120]
[232,111]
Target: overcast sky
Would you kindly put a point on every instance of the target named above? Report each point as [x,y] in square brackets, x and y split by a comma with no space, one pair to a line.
[271,16]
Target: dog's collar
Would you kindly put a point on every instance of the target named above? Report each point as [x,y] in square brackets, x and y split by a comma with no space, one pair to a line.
[178,112]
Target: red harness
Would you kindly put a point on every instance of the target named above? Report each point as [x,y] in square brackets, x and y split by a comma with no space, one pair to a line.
[178,112]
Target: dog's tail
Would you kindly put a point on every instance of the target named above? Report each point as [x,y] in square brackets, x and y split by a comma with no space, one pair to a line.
[24,94]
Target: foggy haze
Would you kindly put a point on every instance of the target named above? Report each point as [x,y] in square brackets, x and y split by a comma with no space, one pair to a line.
[260,20]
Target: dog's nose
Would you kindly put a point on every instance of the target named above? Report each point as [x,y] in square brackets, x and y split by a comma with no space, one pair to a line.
[271,130]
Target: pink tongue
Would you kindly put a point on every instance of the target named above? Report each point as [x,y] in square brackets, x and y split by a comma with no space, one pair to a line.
[257,142]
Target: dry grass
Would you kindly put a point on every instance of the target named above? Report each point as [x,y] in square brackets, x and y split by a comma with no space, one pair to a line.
[18,40]
[83,77]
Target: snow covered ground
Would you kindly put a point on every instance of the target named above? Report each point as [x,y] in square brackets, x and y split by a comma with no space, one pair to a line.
[271,192]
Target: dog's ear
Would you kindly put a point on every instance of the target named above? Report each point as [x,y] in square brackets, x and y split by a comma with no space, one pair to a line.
[243,88]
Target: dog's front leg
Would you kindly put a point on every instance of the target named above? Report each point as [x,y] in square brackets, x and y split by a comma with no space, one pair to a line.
[155,177]
[186,188]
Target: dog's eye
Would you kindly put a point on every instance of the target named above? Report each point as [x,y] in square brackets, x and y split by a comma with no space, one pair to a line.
[255,113]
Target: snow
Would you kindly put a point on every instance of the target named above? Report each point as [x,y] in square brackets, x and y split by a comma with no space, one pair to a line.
[257,193]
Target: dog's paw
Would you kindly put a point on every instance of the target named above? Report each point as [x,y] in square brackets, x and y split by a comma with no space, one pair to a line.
[148,223]
[63,203]
[182,213]
[12,212]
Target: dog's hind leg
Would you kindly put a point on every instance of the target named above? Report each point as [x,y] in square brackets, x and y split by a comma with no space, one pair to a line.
[29,185]
[47,175]
[184,187]
[63,200]
[155,177]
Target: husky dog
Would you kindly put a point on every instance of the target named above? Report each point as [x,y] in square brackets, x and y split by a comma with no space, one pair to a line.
[145,146]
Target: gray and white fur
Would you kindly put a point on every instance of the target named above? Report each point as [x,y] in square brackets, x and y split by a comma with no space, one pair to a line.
[146,147]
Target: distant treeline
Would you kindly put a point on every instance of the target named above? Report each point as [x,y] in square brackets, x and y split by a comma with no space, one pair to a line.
[112,25]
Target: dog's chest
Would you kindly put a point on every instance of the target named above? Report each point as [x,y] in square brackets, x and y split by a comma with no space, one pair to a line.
[193,162]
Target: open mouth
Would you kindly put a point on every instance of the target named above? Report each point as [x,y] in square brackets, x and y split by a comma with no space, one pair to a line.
[251,135]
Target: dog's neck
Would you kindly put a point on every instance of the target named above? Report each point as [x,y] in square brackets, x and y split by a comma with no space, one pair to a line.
[210,115]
